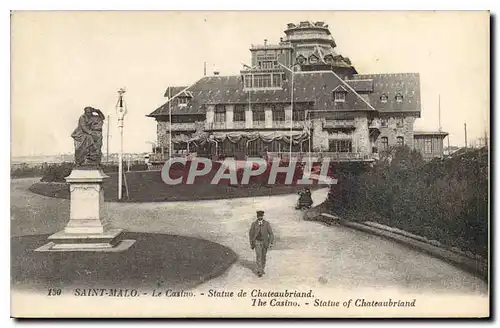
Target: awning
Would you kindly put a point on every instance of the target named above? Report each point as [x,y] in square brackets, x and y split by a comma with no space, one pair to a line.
[235,137]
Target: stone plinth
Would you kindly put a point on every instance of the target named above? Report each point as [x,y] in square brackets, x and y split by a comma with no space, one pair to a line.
[87,229]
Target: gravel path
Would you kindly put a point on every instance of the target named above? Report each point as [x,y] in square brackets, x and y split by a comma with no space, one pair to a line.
[306,254]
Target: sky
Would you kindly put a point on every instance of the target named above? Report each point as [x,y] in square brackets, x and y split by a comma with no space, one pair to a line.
[62,62]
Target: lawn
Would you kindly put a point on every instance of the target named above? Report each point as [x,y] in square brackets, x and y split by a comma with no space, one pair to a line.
[154,261]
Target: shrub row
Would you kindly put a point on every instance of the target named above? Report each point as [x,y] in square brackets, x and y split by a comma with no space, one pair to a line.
[444,200]
[57,172]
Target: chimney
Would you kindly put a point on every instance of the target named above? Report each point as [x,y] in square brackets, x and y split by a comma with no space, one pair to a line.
[265,42]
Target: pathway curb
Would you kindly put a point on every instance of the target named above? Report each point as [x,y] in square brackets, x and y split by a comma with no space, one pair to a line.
[475,266]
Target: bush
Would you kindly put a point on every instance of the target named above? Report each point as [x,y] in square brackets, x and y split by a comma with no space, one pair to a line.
[445,200]
[58,172]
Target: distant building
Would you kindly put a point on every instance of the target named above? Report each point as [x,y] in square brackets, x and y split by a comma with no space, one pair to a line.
[429,144]
[336,111]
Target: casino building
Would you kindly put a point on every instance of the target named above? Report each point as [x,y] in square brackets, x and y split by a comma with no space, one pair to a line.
[299,93]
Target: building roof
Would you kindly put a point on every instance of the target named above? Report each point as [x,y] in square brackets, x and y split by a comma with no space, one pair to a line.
[405,84]
[314,86]
[172,91]
[361,85]
[430,133]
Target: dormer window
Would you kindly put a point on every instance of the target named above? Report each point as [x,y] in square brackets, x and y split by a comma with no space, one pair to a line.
[383,98]
[313,59]
[339,96]
[399,98]
[182,101]
[301,60]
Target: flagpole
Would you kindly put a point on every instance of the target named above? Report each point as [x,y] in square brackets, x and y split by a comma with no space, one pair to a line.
[169,124]
[439,109]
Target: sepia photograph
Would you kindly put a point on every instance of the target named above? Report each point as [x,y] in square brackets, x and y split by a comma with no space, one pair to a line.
[250,164]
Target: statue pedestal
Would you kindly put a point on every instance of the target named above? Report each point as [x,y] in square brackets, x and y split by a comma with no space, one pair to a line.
[87,230]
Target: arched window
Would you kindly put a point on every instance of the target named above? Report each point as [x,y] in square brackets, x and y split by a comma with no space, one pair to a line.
[384,143]
[383,98]
[400,141]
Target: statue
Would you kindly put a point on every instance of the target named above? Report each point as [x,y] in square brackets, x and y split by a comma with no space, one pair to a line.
[88,138]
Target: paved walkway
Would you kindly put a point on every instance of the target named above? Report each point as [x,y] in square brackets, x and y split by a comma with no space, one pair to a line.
[306,254]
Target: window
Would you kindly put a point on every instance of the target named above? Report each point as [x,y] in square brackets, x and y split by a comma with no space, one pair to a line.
[239,113]
[227,148]
[182,100]
[179,146]
[383,122]
[400,141]
[267,61]
[262,81]
[383,98]
[385,143]
[399,98]
[266,57]
[266,64]
[255,147]
[183,119]
[278,113]
[247,79]
[220,113]
[340,146]
[299,114]
[428,146]
[277,80]
[339,96]
[258,114]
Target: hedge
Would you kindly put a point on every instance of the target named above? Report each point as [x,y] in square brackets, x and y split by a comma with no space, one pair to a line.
[57,172]
[444,200]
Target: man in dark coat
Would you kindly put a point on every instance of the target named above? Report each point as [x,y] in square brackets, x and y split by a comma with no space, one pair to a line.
[261,238]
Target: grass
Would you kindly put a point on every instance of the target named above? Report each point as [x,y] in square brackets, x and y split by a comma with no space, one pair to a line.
[154,261]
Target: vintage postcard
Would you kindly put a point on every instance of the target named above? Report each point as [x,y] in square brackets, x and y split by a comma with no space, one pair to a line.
[305,164]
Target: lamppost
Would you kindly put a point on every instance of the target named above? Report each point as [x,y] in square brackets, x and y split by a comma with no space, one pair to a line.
[121,110]
[169,124]
[291,103]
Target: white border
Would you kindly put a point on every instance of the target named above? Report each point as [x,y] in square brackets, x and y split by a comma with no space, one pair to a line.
[191,5]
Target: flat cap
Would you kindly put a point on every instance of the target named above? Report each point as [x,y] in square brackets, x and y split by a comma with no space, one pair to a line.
[260,212]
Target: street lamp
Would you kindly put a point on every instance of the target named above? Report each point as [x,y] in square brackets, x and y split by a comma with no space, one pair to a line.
[121,110]
[291,104]
[169,124]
